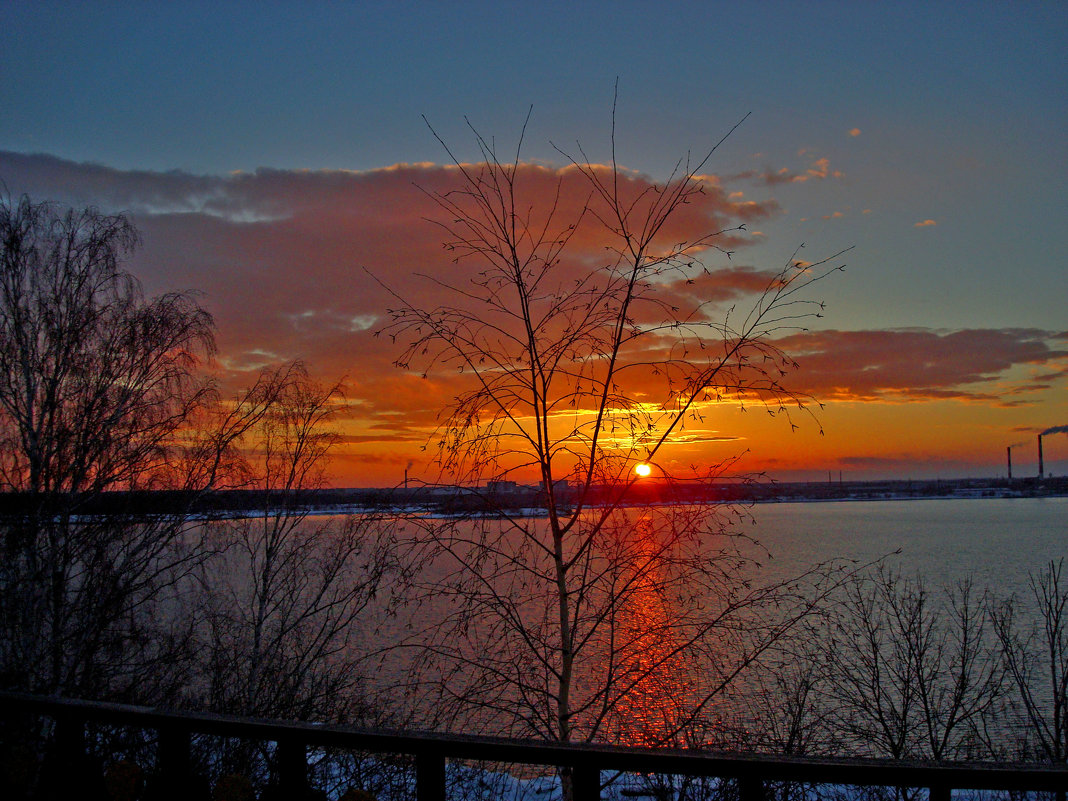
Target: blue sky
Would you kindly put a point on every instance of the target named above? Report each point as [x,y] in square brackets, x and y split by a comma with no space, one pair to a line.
[949,114]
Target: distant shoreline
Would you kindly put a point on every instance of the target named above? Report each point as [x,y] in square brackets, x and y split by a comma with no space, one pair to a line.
[510,498]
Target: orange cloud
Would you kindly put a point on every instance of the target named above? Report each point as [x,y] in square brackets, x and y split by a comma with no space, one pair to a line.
[854,132]
[280,258]
[925,224]
[917,364]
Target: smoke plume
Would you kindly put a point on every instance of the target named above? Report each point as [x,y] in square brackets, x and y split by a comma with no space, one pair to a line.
[1056,430]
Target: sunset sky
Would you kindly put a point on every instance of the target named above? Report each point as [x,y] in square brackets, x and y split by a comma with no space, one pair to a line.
[271,153]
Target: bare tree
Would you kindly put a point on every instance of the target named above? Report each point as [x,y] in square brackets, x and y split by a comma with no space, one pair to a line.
[1036,659]
[283,602]
[96,382]
[912,676]
[285,597]
[588,348]
[785,700]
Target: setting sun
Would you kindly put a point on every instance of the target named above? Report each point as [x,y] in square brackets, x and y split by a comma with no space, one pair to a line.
[643,470]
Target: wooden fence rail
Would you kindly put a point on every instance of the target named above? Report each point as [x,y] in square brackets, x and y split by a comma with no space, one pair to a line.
[586,762]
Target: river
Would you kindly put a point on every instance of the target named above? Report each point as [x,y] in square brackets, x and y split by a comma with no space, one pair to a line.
[997,541]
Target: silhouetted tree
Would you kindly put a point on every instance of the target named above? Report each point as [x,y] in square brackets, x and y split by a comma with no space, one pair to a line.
[587,353]
[282,630]
[285,595]
[96,382]
[912,675]
[784,707]
[102,403]
[1036,659]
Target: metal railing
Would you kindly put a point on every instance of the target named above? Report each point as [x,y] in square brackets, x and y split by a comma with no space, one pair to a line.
[585,762]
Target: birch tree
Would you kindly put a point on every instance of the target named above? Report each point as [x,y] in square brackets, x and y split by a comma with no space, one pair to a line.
[285,595]
[578,319]
[96,382]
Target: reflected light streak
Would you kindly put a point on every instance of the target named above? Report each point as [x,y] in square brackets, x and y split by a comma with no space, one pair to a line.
[656,672]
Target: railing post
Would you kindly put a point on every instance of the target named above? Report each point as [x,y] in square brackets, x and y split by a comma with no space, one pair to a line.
[70,739]
[292,767]
[429,777]
[174,760]
[751,788]
[68,773]
[586,783]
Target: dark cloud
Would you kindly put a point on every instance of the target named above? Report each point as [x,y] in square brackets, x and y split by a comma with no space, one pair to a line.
[917,364]
[718,286]
[818,170]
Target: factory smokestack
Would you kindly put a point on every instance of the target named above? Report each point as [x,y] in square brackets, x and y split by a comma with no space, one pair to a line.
[1041,468]
[1008,453]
